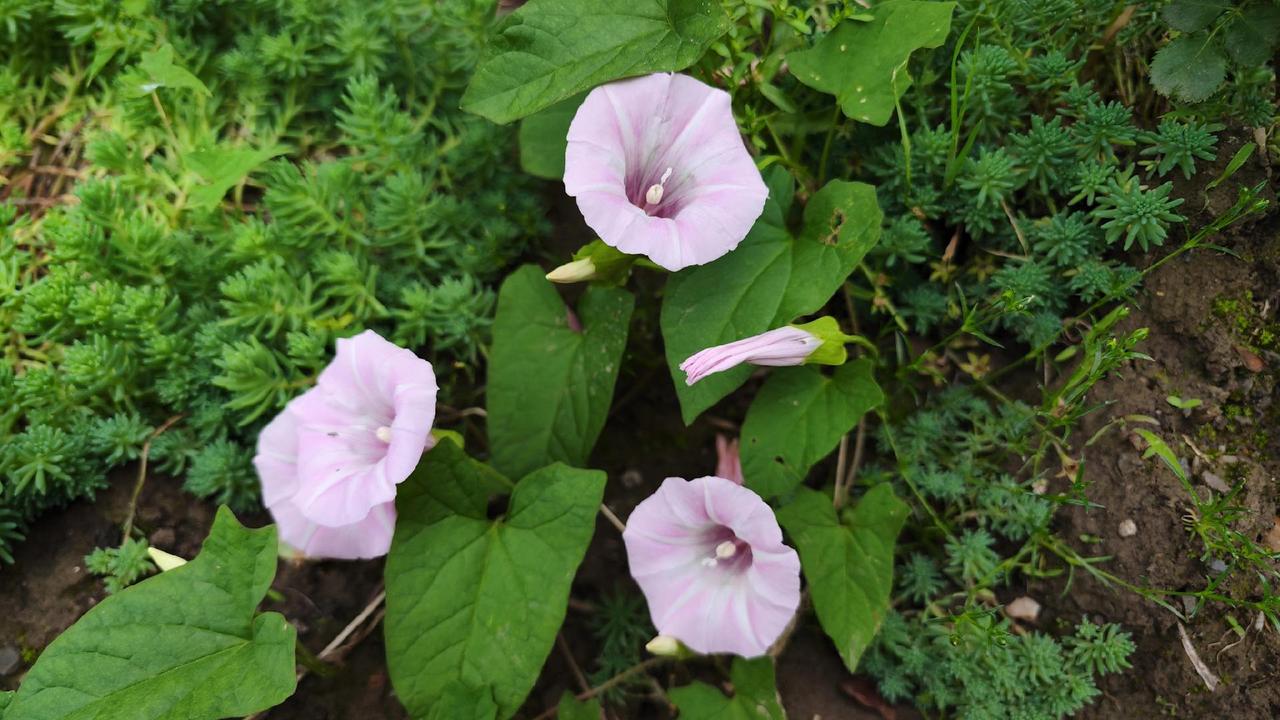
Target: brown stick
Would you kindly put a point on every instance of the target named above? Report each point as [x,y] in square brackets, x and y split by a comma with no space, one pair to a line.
[565,650]
[127,526]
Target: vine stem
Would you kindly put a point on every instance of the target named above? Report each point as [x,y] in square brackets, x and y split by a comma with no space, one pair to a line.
[612,518]
[127,526]
[608,684]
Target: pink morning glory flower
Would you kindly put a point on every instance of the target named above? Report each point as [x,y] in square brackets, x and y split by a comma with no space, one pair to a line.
[330,462]
[659,169]
[779,347]
[709,557]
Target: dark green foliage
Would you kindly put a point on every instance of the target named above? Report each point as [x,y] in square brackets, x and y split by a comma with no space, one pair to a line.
[1135,212]
[120,567]
[1178,144]
[196,277]
[974,664]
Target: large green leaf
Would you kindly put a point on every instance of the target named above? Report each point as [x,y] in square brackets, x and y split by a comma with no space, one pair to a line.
[5,699]
[754,695]
[771,279]
[549,50]
[798,418]
[849,564]
[544,137]
[478,601]
[1190,68]
[460,702]
[864,64]
[550,384]
[184,645]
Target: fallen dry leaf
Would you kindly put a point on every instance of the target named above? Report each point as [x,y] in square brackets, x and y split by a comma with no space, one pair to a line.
[1210,680]
[864,692]
[1272,538]
[1251,360]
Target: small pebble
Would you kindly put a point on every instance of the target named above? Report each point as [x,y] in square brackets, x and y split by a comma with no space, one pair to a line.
[632,478]
[1023,608]
[1128,528]
[10,660]
[1218,566]
[1215,481]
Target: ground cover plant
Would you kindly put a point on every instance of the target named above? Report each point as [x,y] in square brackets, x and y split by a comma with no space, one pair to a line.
[488,291]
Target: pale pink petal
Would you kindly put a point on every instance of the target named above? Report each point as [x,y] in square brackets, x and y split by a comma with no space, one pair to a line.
[277,458]
[709,557]
[779,347]
[667,131]
[369,537]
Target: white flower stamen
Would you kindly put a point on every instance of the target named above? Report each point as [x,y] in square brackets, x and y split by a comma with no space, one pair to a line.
[726,550]
[383,433]
[653,195]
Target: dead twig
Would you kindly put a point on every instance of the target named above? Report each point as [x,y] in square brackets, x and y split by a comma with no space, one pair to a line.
[1211,681]
[608,515]
[127,526]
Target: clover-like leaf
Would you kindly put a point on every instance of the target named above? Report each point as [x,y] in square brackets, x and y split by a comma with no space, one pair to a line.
[754,695]
[1251,38]
[222,167]
[549,50]
[848,563]
[186,644]
[864,64]
[473,600]
[798,418]
[1192,15]
[570,709]
[156,69]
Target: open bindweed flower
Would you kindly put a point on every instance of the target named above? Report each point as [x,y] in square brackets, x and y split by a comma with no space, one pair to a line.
[330,462]
[709,557]
[659,169]
[819,341]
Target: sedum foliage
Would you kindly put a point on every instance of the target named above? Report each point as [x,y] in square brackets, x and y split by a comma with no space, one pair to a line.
[241,183]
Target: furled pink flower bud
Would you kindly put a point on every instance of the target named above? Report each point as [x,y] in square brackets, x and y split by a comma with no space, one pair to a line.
[709,557]
[330,462]
[728,461]
[819,341]
[778,347]
[659,169]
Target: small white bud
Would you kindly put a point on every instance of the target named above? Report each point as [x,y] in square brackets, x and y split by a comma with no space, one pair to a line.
[663,645]
[572,272]
[164,560]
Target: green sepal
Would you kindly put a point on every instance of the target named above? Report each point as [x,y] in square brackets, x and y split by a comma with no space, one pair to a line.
[832,350]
